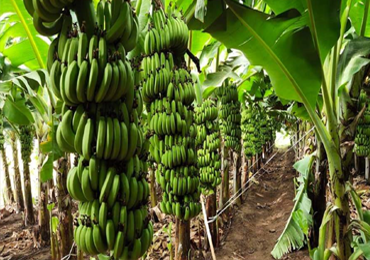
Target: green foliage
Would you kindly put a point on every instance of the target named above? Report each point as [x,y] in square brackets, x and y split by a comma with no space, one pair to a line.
[295,75]
[296,230]
[26,47]
[17,112]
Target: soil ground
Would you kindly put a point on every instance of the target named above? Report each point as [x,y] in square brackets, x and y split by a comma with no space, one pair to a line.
[262,217]
[17,242]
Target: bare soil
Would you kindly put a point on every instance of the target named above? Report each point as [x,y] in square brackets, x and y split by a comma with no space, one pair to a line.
[262,217]
[17,242]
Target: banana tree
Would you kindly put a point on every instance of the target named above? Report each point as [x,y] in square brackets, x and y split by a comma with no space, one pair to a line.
[299,46]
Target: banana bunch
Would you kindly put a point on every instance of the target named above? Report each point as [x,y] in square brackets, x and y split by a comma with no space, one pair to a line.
[118,22]
[168,93]
[164,82]
[100,121]
[249,131]
[127,234]
[230,116]
[208,143]
[47,14]
[91,71]
[362,141]
[166,32]
[26,139]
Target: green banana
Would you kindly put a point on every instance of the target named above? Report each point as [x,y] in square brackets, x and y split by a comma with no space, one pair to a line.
[87,139]
[86,185]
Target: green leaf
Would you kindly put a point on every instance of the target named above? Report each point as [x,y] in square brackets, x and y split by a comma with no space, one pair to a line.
[281,6]
[324,24]
[54,224]
[17,7]
[200,39]
[352,59]
[214,10]
[299,111]
[208,92]
[209,52]
[365,248]
[50,206]
[356,15]
[295,74]
[17,112]
[217,78]
[293,236]
[5,86]
[200,10]
[47,168]
[104,257]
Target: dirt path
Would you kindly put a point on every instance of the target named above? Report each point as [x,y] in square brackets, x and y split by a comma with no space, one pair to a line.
[263,215]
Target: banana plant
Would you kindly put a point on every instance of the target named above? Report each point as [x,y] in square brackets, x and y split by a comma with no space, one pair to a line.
[314,33]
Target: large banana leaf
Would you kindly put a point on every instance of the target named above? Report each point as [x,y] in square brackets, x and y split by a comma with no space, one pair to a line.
[295,232]
[352,59]
[288,56]
[28,48]
[324,24]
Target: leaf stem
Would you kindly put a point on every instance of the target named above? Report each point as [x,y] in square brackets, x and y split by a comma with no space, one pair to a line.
[29,34]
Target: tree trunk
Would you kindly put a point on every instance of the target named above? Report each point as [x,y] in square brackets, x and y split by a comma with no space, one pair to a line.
[51,191]
[43,216]
[43,213]
[319,192]
[17,173]
[211,208]
[182,249]
[237,177]
[26,139]
[64,209]
[225,195]
[367,170]
[8,186]
[153,194]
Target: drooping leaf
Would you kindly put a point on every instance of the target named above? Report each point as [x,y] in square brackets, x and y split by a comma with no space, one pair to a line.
[294,235]
[17,112]
[35,45]
[208,53]
[294,74]
[299,111]
[352,59]
[217,78]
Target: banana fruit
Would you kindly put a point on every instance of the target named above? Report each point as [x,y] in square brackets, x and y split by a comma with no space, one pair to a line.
[168,93]
[102,107]
[208,144]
